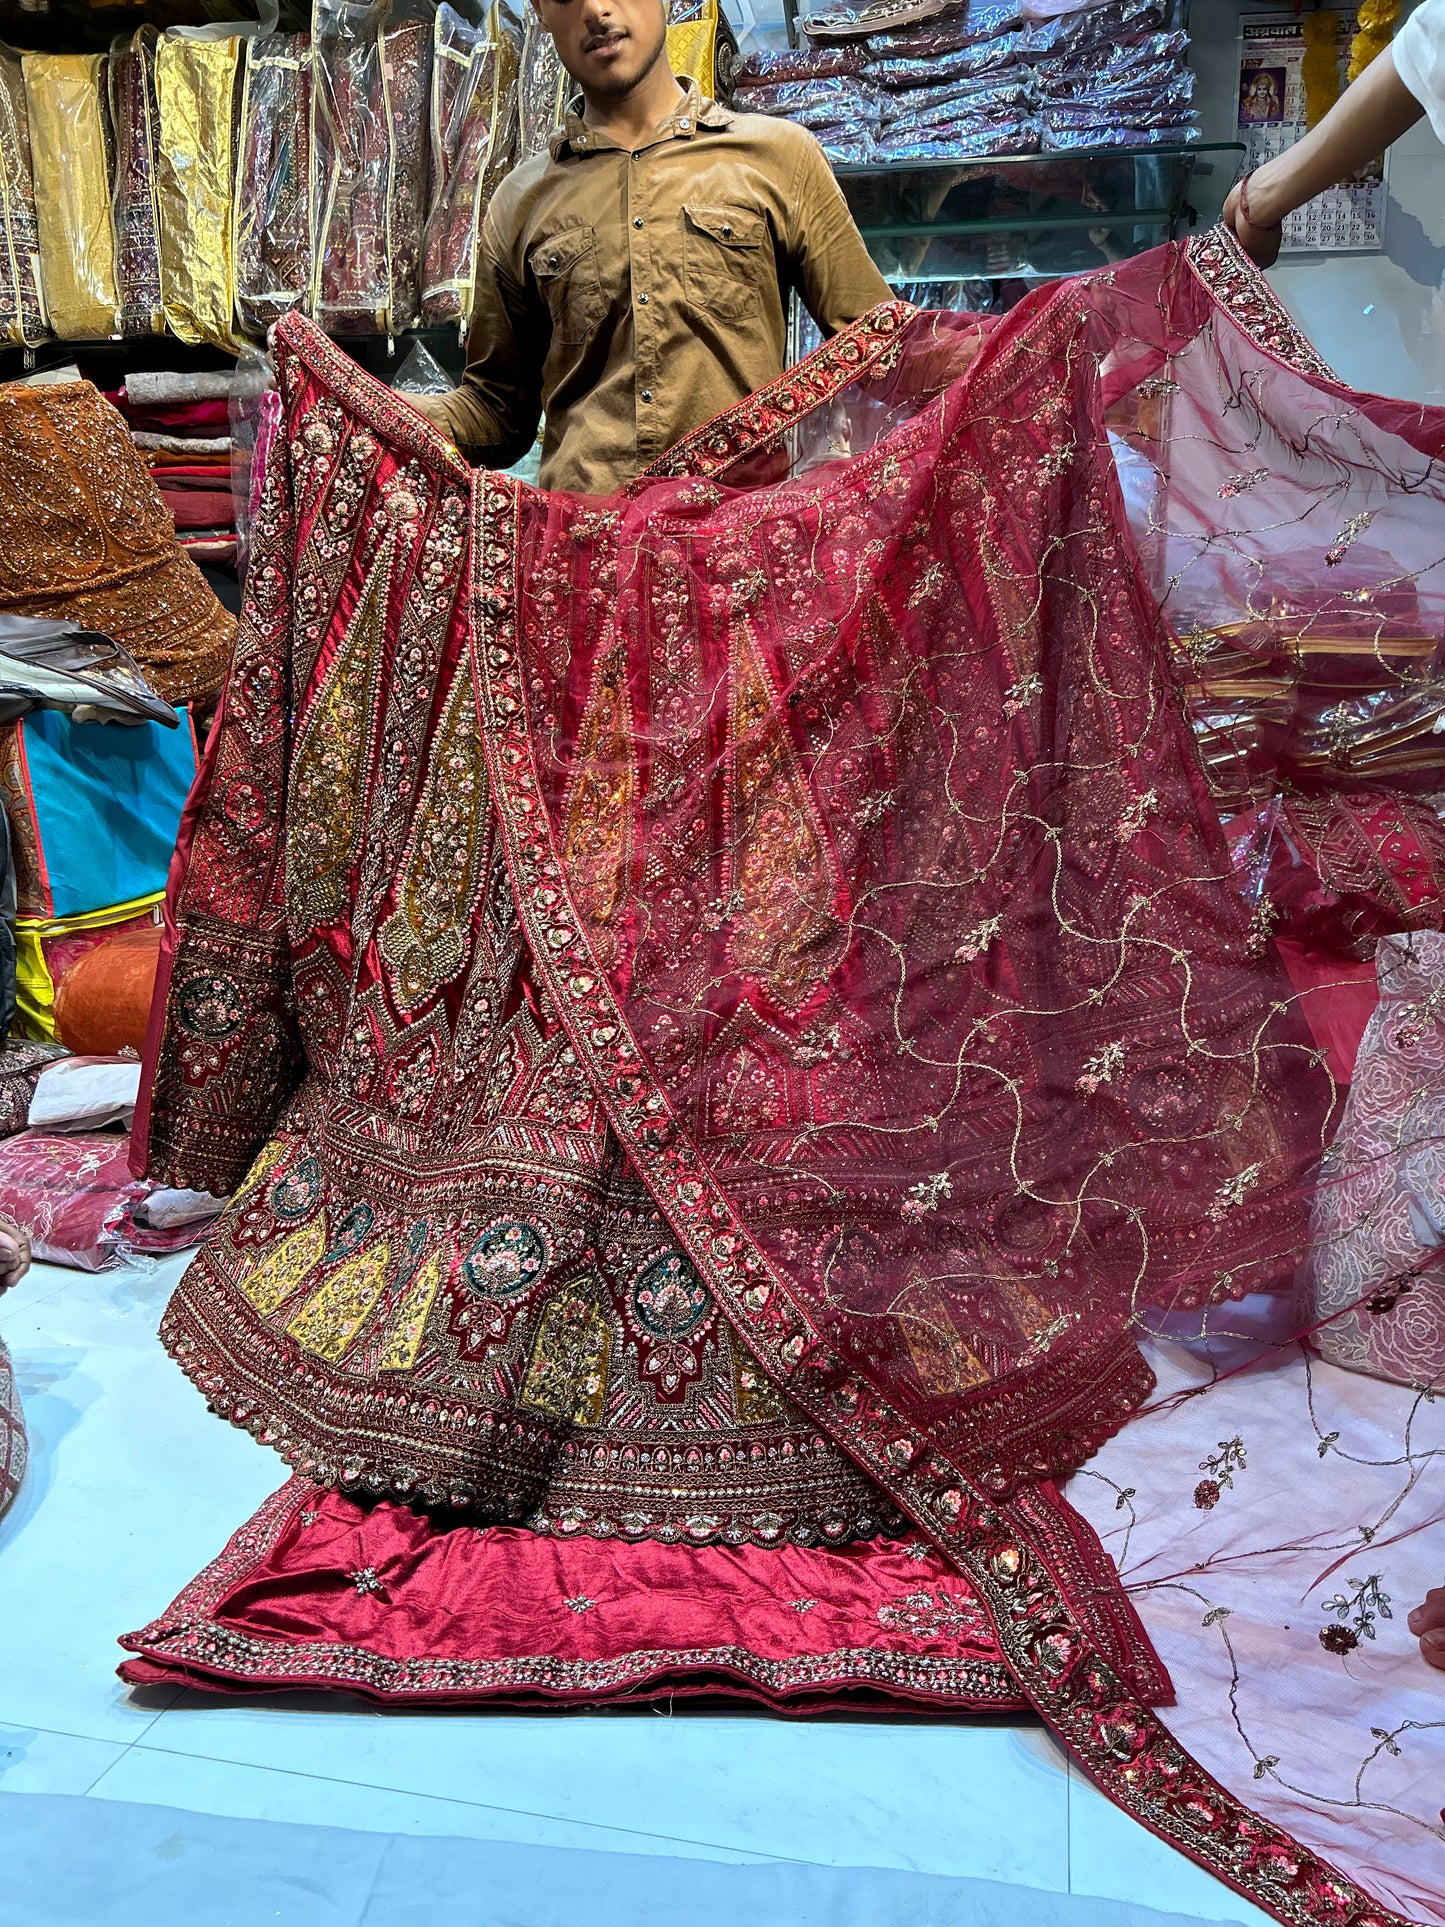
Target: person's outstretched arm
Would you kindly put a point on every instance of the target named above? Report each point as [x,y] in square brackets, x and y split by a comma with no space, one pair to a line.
[1363,122]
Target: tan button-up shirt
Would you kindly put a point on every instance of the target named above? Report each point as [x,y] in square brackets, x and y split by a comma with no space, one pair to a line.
[632,297]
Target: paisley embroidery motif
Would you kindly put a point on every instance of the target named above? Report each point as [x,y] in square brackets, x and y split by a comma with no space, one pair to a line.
[331,1318]
[427,938]
[597,829]
[784,931]
[333,753]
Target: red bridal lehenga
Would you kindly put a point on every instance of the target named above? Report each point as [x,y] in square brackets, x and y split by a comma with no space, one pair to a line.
[728,1010]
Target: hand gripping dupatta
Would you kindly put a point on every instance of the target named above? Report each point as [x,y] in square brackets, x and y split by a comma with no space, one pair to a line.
[823,810]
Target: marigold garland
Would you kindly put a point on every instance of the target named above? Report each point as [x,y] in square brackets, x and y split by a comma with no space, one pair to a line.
[1320,68]
[1376,30]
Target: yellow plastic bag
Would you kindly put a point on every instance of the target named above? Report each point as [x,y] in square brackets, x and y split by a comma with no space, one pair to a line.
[72,193]
[195,173]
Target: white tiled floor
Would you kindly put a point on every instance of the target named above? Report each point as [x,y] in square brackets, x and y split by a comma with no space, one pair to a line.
[133,1487]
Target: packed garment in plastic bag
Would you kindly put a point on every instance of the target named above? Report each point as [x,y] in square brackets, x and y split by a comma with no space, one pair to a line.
[135,129]
[370,120]
[473,147]
[273,180]
[23,320]
[198,97]
[64,95]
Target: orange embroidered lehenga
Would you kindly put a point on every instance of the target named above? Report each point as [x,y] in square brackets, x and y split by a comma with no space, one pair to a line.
[720,1009]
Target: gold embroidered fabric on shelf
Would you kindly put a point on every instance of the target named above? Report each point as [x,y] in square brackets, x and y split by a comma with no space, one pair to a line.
[197,100]
[72,193]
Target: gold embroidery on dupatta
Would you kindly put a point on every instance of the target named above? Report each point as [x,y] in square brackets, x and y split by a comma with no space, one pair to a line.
[330,1319]
[597,828]
[427,938]
[783,930]
[408,1321]
[332,756]
[943,1358]
[571,1354]
[281,1275]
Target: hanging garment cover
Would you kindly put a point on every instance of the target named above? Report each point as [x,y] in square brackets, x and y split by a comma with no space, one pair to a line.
[84,535]
[63,94]
[196,96]
[273,181]
[23,318]
[370,122]
[541,90]
[473,146]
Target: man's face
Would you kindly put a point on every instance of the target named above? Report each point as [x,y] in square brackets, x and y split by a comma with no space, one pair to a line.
[608,46]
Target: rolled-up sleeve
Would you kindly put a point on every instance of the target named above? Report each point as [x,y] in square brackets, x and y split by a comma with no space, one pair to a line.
[833,270]
[493,416]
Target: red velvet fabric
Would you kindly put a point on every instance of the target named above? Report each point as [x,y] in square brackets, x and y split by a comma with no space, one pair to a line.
[318,1590]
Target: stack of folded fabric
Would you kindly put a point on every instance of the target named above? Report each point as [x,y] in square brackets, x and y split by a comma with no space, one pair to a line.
[180,424]
[917,80]
[67,1179]
[1107,76]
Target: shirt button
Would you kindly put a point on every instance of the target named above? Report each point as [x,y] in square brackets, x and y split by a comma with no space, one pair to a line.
[642,300]
[647,394]
[637,220]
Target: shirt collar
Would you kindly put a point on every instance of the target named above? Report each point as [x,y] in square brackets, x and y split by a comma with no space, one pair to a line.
[695,110]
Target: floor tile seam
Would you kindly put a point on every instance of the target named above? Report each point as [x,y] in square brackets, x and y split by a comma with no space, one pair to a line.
[477,1806]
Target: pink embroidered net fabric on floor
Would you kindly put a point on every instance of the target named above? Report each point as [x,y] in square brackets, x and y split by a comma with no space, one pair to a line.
[731,1007]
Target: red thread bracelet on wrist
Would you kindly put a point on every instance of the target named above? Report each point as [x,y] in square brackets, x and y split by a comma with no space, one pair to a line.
[1260,227]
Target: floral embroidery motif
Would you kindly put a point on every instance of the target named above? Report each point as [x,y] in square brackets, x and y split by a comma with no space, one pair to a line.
[581,1604]
[505,1261]
[327,1324]
[1357,1610]
[1221,1467]
[428,937]
[365,1580]
[567,1372]
[926,1615]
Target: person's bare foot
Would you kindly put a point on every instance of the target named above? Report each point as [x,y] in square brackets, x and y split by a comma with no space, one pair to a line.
[1427,1623]
[14,1254]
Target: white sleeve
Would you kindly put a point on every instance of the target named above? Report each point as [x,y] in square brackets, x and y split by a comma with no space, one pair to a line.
[1419,50]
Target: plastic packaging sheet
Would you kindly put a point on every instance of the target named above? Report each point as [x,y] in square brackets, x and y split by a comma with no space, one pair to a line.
[22,298]
[255,416]
[542,89]
[370,95]
[131,81]
[913,70]
[63,96]
[273,180]
[198,99]
[949,25]
[474,136]
[764,69]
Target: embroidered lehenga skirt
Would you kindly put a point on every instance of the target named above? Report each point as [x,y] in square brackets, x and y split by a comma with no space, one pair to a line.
[721,1010]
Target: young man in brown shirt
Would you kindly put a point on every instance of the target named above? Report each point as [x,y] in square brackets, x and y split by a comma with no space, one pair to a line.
[633,280]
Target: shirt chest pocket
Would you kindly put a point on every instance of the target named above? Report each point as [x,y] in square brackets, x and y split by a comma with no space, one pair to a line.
[724,259]
[566,270]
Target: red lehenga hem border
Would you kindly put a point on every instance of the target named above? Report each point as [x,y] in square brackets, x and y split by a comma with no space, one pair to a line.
[320,1591]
